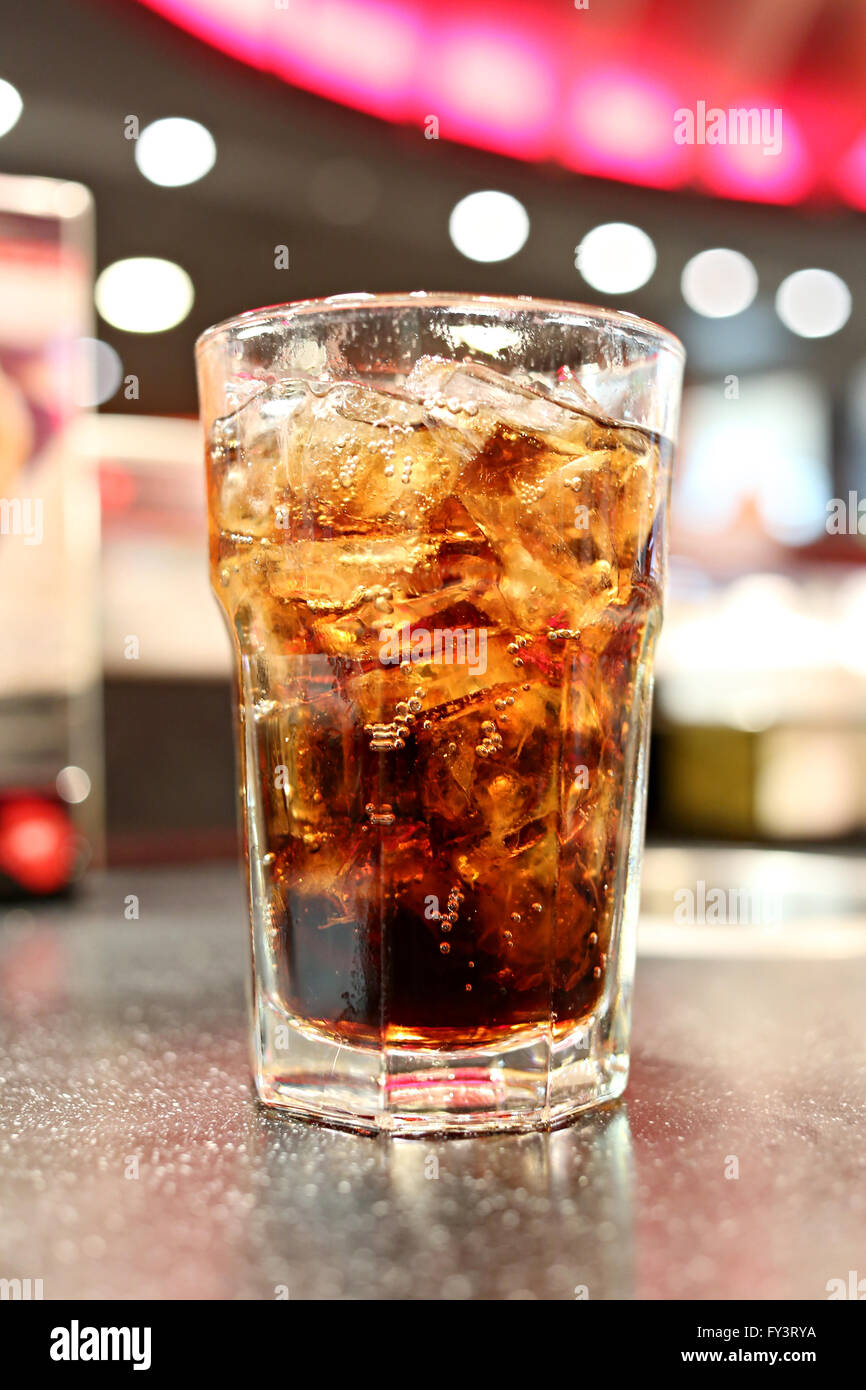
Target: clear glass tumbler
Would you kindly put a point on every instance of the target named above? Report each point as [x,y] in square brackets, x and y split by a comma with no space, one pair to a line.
[437,531]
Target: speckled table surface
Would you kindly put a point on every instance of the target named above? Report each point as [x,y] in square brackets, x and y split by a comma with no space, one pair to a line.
[135,1163]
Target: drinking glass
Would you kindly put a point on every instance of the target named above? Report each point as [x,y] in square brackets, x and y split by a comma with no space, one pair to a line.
[437,533]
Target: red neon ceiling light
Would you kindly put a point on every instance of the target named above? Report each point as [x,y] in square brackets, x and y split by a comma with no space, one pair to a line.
[537,84]
[620,125]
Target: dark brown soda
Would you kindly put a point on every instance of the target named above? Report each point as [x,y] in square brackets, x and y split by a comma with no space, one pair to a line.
[442,845]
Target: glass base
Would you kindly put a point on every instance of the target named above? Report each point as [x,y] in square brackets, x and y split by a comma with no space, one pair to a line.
[529,1081]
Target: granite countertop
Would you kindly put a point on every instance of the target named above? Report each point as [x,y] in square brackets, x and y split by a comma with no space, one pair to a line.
[135,1162]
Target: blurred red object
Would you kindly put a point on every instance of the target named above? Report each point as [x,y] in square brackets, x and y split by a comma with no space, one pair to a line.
[38,845]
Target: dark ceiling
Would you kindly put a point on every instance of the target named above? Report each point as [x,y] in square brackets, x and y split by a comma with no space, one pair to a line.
[284,157]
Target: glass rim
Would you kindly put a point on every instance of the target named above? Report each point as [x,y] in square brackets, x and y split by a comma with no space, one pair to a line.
[337,304]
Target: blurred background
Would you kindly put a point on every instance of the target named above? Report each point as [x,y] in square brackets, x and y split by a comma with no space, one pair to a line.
[170,163]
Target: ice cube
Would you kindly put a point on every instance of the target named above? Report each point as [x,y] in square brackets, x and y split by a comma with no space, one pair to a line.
[251,454]
[564,499]
[366,460]
[568,390]
[469,401]
[487,766]
[523,511]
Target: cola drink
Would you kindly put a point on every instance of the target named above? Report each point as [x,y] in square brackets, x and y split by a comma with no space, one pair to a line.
[444,588]
[450,612]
